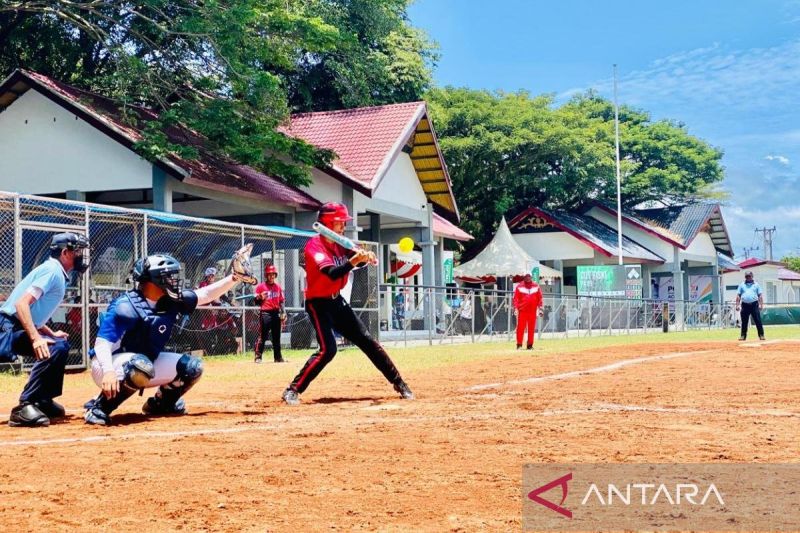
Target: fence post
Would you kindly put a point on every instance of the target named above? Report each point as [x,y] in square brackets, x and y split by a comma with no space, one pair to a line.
[591,318]
[244,309]
[509,310]
[472,299]
[431,315]
[665,317]
[17,244]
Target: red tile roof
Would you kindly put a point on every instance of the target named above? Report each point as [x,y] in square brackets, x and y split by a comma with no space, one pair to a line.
[788,275]
[444,228]
[365,139]
[208,171]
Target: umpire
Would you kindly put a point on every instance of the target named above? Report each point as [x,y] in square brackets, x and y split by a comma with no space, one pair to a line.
[750,300]
[23,329]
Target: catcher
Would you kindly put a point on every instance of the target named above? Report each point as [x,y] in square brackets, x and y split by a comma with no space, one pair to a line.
[272,315]
[127,354]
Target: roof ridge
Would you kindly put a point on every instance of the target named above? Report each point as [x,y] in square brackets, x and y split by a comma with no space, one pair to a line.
[357,109]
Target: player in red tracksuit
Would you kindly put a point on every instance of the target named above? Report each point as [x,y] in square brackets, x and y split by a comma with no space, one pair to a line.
[527,305]
[328,267]
[272,314]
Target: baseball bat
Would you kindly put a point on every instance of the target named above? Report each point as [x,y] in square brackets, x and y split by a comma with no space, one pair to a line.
[244,297]
[341,240]
[335,237]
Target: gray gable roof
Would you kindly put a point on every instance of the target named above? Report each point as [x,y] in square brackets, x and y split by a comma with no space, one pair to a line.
[686,221]
[589,230]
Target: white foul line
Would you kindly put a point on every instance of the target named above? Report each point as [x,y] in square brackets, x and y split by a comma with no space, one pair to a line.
[139,435]
[586,372]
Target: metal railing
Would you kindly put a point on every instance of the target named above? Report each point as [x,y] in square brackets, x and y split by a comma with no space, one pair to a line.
[446,315]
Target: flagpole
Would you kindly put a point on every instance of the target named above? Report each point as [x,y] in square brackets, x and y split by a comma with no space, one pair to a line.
[619,180]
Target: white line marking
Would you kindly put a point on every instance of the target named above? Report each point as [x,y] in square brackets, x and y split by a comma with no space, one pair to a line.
[139,435]
[597,370]
[605,408]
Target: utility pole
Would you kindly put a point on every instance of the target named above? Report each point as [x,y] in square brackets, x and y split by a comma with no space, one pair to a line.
[767,239]
[747,251]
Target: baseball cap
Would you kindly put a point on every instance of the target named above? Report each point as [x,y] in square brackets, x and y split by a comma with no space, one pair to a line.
[211,271]
[748,274]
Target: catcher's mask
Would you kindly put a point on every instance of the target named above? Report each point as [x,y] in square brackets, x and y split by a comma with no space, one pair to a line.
[75,242]
[162,270]
[333,212]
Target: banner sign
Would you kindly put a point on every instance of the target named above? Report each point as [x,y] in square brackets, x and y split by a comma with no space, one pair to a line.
[610,281]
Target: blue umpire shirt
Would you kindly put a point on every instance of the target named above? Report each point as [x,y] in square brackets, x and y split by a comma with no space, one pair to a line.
[51,278]
[749,292]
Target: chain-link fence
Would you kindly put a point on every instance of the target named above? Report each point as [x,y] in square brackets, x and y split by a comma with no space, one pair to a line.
[451,315]
[120,236]
[396,314]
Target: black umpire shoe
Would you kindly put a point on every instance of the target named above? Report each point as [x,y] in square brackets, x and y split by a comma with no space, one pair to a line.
[291,397]
[27,415]
[404,391]
[51,408]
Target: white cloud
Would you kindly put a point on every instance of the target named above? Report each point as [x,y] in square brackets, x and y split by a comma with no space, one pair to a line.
[778,158]
[715,79]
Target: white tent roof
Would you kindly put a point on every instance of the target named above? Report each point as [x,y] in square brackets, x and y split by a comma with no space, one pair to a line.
[502,257]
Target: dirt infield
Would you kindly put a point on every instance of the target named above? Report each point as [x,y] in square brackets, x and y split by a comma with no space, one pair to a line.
[354,457]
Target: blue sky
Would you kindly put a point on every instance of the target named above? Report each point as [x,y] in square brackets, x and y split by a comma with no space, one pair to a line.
[729,70]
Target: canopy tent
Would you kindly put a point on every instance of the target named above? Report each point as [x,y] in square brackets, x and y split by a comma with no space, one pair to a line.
[502,257]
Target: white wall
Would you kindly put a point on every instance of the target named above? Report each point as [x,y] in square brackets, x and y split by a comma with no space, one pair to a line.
[401,185]
[651,242]
[763,275]
[45,156]
[323,187]
[555,245]
[702,245]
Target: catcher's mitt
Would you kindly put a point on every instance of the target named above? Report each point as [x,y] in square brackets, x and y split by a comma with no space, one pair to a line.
[240,267]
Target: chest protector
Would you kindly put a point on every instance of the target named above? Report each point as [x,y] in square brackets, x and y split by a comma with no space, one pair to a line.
[154,327]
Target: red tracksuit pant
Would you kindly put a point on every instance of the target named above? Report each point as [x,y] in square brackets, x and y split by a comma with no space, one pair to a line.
[526,319]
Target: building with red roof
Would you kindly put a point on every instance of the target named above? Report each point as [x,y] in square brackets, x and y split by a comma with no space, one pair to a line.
[64,142]
[780,285]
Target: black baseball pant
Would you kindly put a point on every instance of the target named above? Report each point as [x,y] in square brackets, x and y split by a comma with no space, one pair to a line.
[325,315]
[270,324]
[749,310]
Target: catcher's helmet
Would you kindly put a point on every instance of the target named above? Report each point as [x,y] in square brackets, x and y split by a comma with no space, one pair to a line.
[270,269]
[162,270]
[333,212]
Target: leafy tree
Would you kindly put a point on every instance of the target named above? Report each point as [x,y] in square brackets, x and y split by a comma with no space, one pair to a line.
[792,262]
[380,58]
[231,70]
[507,151]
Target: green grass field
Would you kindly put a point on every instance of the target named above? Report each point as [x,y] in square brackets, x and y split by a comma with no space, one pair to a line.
[349,361]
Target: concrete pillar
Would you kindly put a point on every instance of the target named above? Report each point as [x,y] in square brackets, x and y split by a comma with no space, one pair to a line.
[351,230]
[679,286]
[162,191]
[429,265]
[558,264]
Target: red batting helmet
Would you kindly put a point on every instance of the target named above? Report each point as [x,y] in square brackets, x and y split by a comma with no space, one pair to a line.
[270,269]
[333,212]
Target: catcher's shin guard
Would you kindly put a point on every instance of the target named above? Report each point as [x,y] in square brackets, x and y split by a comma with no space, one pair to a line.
[167,399]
